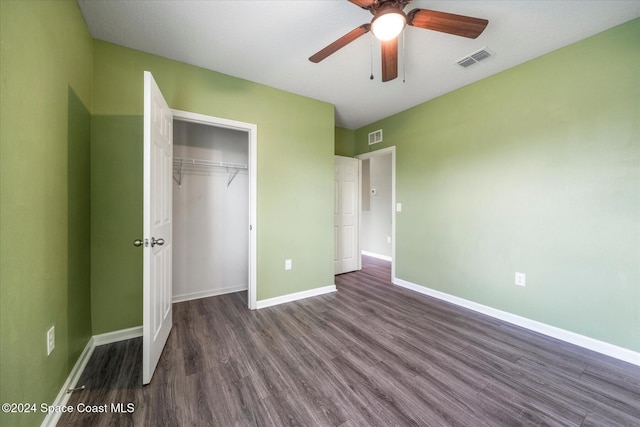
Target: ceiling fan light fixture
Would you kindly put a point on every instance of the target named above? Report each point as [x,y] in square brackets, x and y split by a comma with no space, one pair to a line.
[388,24]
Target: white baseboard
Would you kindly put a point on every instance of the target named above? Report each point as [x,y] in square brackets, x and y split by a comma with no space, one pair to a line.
[295,296]
[52,418]
[374,255]
[115,336]
[208,293]
[598,346]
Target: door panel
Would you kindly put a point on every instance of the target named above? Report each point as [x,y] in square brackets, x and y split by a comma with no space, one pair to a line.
[347,247]
[158,154]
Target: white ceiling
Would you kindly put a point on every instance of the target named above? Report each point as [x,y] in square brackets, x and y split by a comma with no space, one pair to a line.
[269,42]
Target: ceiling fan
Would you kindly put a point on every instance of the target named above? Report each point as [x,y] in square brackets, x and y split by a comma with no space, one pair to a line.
[388,22]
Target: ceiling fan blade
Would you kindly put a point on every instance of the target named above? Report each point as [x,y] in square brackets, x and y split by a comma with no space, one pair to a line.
[459,25]
[340,43]
[365,4]
[389,59]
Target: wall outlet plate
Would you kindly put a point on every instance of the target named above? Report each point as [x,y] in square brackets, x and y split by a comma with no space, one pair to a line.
[288,264]
[520,279]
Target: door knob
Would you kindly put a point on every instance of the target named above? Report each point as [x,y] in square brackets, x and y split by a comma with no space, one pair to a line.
[158,242]
[138,243]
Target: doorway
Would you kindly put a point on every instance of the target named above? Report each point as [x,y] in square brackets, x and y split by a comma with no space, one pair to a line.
[214,207]
[378,207]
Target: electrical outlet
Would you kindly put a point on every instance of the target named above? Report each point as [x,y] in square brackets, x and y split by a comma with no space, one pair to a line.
[520,279]
[287,264]
[388,239]
[51,340]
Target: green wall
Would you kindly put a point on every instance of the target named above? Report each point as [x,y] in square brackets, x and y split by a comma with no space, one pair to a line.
[345,143]
[536,170]
[45,86]
[295,176]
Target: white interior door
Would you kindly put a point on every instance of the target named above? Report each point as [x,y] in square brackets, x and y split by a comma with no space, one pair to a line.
[158,156]
[346,208]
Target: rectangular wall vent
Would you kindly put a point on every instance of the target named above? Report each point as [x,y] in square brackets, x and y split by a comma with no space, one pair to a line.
[474,57]
[375,137]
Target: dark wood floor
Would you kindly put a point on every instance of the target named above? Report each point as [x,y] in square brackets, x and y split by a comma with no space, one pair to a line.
[377,268]
[371,354]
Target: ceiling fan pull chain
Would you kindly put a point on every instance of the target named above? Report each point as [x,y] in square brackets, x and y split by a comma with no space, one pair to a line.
[371,77]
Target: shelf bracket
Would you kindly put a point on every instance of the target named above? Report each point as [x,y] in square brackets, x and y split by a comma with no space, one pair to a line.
[178,179]
[232,176]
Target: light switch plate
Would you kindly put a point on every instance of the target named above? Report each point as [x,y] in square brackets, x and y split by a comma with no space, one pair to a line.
[51,340]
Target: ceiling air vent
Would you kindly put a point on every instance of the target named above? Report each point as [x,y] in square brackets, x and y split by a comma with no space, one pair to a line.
[466,62]
[474,57]
[375,137]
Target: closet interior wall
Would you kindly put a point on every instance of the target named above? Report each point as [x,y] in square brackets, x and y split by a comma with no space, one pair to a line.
[210,211]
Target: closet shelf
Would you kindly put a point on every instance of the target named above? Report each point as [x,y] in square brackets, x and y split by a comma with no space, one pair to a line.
[182,165]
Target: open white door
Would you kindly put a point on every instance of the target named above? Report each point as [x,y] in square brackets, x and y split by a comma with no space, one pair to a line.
[345,218]
[158,156]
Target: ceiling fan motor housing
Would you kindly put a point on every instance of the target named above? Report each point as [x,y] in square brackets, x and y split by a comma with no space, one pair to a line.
[377,7]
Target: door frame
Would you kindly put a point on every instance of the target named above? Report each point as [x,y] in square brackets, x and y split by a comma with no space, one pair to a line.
[382,152]
[252,130]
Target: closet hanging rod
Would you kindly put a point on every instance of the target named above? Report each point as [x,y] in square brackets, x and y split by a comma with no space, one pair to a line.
[182,165]
[207,163]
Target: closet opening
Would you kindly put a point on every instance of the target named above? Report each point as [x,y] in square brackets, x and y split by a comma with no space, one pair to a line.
[213,207]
